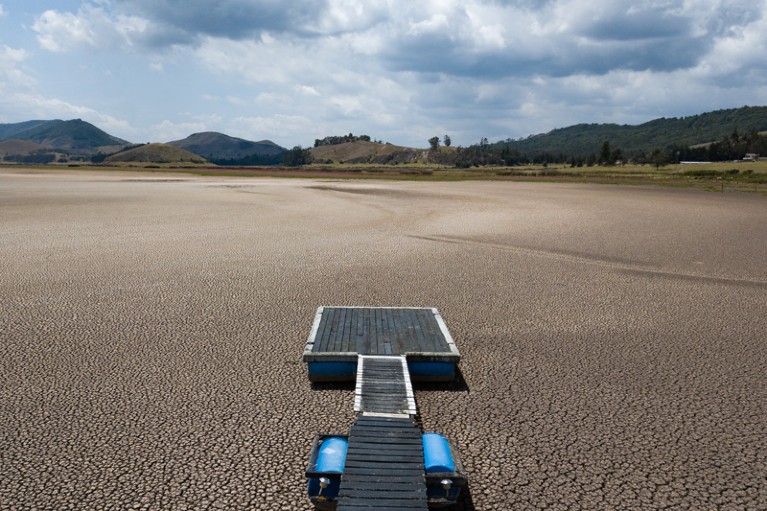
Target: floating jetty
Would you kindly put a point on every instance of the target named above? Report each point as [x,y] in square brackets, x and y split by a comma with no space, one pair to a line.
[340,334]
[386,461]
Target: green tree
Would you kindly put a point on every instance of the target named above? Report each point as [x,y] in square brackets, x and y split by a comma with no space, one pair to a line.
[604,153]
[297,156]
[659,159]
[447,141]
[615,156]
[434,143]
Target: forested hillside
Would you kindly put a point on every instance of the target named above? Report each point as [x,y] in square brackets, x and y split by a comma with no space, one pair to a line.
[584,142]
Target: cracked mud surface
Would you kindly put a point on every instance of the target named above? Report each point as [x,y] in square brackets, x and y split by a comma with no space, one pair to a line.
[613,338]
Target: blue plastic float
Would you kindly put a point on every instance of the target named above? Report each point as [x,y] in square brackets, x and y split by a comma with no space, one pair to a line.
[326,465]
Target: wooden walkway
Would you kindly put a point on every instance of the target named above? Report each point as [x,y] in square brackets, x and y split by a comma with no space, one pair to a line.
[384,466]
[383,387]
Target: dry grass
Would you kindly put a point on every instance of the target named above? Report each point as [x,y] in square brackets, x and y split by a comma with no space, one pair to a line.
[741,176]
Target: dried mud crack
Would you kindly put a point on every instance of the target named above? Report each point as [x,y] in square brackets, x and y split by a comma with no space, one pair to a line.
[151,335]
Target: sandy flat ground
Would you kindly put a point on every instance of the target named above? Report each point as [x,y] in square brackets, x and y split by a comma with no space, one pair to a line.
[613,338]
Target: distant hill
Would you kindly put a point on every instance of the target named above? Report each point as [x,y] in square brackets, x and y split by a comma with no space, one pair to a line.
[19,148]
[8,131]
[75,136]
[155,153]
[662,133]
[225,150]
[362,151]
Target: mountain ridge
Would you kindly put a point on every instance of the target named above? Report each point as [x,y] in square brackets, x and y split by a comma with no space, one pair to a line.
[223,149]
[77,140]
[155,153]
[75,135]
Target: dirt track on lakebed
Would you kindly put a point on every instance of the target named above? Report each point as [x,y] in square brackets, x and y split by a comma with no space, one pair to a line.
[613,338]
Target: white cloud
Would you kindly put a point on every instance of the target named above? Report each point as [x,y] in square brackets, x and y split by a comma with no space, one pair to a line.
[344,16]
[167,131]
[29,105]
[276,127]
[2,10]
[92,26]
[61,31]
[14,81]
[307,90]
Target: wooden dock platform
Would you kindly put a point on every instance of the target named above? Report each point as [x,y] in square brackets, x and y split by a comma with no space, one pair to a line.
[384,466]
[340,334]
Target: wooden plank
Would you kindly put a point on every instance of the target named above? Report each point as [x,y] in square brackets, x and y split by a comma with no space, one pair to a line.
[393,422]
[382,456]
[379,470]
[380,332]
[409,488]
[388,435]
[375,429]
[394,342]
[385,432]
[321,339]
[385,449]
[359,331]
[366,339]
[391,437]
[333,344]
[382,503]
[338,334]
[375,446]
[384,481]
[347,329]
[387,494]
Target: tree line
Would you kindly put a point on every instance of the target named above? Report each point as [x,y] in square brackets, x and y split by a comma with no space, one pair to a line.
[342,139]
[734,147]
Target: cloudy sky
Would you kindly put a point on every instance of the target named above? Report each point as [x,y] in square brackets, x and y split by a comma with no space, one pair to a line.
[397,70]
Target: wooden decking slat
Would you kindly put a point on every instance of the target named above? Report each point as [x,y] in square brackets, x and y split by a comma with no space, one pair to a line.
[323,332]
[353,480]
[393,344]
[358,504]
[344,337]
[414,492]
[377,455]
[334,344]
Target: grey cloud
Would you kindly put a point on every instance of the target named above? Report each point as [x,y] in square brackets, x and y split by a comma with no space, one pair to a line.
[620,38]
[632,24]
[442,55]
[234,19]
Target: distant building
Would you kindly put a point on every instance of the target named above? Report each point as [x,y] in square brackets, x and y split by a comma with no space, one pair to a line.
[751,157]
